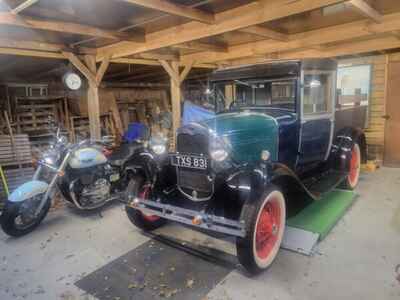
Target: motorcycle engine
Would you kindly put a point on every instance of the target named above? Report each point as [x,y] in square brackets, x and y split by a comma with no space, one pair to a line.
[95,193]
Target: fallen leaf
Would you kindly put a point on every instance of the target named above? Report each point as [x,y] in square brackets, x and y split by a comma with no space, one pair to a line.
[189,283]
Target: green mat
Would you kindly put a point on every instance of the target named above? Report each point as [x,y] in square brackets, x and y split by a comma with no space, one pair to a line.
[322,215]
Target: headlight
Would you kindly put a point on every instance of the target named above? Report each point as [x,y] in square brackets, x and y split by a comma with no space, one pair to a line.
[158,145]
[218,149]
[219,154]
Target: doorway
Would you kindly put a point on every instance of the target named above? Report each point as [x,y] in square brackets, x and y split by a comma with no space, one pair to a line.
[392,127]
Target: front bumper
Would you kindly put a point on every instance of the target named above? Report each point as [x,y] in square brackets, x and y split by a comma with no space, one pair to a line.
[190,217]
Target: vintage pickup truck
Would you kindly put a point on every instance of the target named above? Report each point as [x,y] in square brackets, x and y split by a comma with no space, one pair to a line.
[280,137]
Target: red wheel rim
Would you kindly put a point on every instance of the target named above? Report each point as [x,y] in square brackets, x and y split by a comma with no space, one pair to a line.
[144,195]
[354,166]
[268,228]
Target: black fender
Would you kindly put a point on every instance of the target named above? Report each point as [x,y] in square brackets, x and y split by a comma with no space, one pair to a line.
[143,163]
[342,146]
[251,181]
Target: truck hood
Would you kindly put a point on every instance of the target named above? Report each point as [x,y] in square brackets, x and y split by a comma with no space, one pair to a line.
[248,133]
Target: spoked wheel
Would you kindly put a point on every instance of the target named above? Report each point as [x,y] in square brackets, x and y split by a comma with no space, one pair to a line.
[137,188]
[352,178]
[265,221]
[19,218]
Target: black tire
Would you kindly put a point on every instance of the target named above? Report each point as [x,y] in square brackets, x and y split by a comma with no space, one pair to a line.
[351,180]
[248,252]
[135,186]
[11,212]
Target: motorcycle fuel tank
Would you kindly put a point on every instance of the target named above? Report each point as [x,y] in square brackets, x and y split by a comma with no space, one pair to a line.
[87,157]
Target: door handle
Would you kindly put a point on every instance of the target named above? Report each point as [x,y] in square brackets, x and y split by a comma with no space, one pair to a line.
[386,117]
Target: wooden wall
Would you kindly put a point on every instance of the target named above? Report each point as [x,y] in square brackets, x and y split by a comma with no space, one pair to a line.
[375,130]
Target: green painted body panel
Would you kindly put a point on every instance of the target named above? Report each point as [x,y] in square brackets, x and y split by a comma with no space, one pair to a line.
[248,133]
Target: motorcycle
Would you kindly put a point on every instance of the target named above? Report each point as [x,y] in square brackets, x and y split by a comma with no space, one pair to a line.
[86,174]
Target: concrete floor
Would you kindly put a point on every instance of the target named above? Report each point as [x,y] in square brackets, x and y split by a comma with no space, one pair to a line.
[357,260]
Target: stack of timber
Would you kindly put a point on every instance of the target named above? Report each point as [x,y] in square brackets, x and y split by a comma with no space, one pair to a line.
[80,127]
[34,116]
[16,161]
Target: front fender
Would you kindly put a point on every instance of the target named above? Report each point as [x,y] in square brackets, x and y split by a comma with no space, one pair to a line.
[145,164]
[28,190]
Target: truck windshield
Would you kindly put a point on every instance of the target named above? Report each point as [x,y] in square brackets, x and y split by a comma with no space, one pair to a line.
[237,94]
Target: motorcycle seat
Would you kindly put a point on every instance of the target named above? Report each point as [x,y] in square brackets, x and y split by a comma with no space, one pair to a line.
[119,156]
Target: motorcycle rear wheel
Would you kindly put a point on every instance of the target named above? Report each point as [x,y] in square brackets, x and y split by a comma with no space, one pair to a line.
[144,222]
[11,215]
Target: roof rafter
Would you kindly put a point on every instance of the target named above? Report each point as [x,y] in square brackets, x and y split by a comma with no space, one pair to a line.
[337,33]
[176,9]
[23,5]
[202,46]
[365,9]
[266,32]
[67,27]
[230,20]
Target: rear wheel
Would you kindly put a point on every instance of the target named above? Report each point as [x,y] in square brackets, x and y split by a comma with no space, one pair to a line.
[137,188]
[352,178]
[19,219]
[265,220]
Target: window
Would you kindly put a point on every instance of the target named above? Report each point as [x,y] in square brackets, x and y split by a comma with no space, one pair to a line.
[280,94]
[318,92]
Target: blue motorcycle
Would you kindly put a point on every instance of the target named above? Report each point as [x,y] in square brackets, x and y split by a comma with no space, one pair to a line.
[86,174]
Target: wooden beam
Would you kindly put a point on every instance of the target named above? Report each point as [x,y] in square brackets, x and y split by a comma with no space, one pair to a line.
[77,63]
[203,46]
[234,19]
[67,27]
[176,9]
[102,70]
[171,71]
[365,9]
[23,5]
[266,32]
[157,56]
[186,71]
[31,53]
[92,98]
[332,34]
[396,33]
[151,62]
[175,102]
[41,46]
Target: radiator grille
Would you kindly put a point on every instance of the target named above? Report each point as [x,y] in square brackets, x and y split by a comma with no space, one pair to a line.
[193,144]
[194,180]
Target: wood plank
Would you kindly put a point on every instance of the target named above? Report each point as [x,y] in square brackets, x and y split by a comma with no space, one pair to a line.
[203,46]
[365,9]
[227,21]
[266,32]
[31,53]
[102,69]
[24,5]
[150,62]
[171,71]
[93,100]
[185,71]
[176,9]
[337,33]
[68,27]
[176,102]
[80,66]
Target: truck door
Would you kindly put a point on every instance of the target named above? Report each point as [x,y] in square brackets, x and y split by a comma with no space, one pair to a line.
[317,117]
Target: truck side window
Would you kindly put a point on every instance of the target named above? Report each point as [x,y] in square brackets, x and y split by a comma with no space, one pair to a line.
[317,92]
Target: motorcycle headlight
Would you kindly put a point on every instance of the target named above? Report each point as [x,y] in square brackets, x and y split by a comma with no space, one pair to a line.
[51,158]
[158,145]
[218,150]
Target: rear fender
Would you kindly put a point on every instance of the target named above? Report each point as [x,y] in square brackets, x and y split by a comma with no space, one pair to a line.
[342,146]
[143,163]
[28,190]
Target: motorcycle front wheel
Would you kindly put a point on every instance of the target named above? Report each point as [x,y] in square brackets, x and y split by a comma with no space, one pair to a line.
[19,218]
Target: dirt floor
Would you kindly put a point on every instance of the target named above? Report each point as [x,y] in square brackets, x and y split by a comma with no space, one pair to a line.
[360,258]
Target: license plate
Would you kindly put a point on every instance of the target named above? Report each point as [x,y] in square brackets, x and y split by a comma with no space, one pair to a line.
[189,161]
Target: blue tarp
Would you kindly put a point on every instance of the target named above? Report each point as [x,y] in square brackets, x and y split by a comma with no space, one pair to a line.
[135,131]
[195,113]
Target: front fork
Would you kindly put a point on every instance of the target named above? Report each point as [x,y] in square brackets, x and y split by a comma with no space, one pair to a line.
[58,172]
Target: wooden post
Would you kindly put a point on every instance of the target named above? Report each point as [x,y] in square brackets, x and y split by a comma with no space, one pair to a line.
[93,100]
[176,79]
[176,102]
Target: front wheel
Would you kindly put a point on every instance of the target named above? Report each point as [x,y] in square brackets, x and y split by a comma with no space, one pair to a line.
[137,188]
[19,218]
[265,220]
